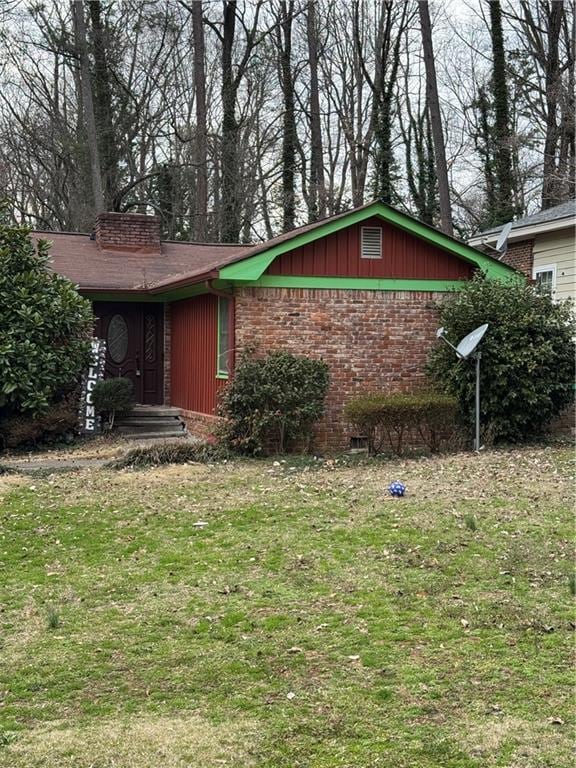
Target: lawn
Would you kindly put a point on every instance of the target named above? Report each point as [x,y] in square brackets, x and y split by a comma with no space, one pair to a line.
[290,614]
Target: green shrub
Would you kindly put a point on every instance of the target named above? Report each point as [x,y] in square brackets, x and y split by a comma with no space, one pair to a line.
[58,421]
[527,372]
[386,419]
[113,396]
[169,453]
[273,401]
[45,327]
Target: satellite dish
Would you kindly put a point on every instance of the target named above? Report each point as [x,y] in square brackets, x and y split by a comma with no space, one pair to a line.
[440,332]
[469,343]
[503,237]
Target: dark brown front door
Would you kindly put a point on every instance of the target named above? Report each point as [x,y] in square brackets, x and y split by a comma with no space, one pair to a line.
[134,346]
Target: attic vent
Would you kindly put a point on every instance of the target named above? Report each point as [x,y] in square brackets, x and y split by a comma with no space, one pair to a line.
[371,247]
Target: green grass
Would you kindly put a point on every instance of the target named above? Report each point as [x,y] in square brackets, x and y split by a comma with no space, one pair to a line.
[290,615]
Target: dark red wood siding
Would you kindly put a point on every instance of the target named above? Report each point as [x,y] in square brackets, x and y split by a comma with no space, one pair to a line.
[403,255]
[194,384]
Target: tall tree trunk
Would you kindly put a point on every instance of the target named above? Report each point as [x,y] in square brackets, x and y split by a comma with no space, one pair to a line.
[317,205]
[200,232]
[505,208]
[230,220]
[550,195]
[289,136]
[435,119]
[88,105]
[107,144]
[483,140]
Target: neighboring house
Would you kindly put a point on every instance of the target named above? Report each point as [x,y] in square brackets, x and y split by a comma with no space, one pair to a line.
[543,246]
[358,290]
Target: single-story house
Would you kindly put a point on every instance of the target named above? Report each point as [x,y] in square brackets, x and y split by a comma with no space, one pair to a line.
[358,289]
[542,246]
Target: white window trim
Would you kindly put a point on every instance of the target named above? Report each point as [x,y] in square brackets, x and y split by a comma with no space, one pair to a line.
[372,258]
[546,268]
[222,372]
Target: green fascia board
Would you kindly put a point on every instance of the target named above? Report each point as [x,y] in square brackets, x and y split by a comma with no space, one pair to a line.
[145,297]
[355,283]
[253,267]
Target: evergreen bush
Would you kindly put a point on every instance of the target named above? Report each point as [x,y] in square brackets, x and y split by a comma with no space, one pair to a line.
[527,371]
[272,402]
[45,327]
[113,396]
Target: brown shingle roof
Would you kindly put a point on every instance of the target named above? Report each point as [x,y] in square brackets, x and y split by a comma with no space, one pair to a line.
[80,258]
[83,261]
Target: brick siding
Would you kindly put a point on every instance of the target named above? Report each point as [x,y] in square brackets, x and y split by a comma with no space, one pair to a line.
[565,423]
[201,425]
[520,256]
[371,340]
[121,231]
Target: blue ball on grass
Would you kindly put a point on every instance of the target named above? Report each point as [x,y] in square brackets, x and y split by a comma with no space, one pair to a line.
[397,488]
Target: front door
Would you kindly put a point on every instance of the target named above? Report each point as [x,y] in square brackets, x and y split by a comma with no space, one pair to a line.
[134,346]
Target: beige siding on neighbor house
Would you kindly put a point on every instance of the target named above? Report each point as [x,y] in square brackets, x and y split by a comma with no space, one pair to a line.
[558,248]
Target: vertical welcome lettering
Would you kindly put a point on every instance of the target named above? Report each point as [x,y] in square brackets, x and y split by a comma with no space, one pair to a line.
[88,420]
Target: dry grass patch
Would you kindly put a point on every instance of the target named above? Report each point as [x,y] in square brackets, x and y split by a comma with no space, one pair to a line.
[135,742]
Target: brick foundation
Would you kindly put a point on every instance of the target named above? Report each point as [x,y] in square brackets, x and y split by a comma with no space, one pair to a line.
[520,256]
[371,340]
[565,424]
[201,425]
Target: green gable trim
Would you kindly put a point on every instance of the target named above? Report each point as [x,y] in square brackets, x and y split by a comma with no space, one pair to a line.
[253,267]
[355,283]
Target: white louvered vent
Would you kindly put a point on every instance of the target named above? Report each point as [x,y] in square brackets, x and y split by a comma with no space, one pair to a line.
[371,246]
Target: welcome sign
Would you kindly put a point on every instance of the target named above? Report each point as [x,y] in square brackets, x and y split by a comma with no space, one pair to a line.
[89,424]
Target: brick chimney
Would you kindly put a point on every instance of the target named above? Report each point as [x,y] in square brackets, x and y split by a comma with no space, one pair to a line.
[128,232]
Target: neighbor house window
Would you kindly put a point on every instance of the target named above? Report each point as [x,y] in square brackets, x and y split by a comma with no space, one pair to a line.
[545,278]
[223,337]
[371,243]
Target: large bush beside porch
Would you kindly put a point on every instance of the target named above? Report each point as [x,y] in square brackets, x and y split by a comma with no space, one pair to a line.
[45,329]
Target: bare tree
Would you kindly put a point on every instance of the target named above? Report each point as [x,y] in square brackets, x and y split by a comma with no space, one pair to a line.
[433,104]
[87,106]
[317,185]
[200,228]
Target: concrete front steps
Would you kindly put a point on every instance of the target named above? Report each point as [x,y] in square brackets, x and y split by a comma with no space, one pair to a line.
[149,421]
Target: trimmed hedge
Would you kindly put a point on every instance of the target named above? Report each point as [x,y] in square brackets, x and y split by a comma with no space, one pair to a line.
[386,419]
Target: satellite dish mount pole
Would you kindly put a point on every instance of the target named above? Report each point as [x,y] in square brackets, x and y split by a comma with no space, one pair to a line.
[477,438]
[467,349]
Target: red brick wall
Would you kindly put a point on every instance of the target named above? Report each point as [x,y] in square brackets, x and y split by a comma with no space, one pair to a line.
[201,425]
[519,255]
[371,340]
[128,230]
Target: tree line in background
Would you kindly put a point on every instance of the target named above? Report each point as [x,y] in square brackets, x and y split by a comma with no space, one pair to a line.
[238,120]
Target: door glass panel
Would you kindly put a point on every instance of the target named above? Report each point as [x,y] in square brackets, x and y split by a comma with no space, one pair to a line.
[150,338]
[117,339]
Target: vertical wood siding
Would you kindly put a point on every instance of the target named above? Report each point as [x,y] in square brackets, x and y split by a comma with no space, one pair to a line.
[403,255]
[194,385]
